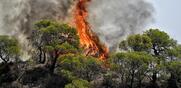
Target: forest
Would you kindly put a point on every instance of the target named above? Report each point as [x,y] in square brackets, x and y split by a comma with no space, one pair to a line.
[151,59]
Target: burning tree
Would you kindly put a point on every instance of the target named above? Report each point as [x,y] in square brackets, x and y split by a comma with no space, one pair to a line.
[88,39]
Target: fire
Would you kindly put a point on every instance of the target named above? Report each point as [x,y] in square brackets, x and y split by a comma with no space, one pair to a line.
[88,39]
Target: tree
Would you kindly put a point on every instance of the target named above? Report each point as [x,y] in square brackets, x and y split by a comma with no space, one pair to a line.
[161,41]
[156,43]
[54,39]
[174,53]
[87,68]
[136,43]
[78,83]
[174,68]
[9,48]
[161,44]
[131,66]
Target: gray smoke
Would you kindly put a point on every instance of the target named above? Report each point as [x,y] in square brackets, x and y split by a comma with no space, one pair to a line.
[18,16]
[113,20]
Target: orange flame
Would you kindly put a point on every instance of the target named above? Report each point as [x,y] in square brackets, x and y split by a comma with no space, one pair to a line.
[88,39]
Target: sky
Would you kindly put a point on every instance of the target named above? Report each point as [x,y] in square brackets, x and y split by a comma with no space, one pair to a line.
[168,17]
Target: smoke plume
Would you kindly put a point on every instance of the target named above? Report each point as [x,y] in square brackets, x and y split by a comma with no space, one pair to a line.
[18,16]
[113,20]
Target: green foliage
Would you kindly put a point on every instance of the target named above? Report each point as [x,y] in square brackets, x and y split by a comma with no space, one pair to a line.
[179,51]
[175,68]
[161,41]
[145,60]
[124,45]
[159,38]
[87,68]
[131,60]
[137,57]
[54,39]
[69,75]
[131,66]
[9,48]
[51,33]
[79,83]
[159,48]
[174,53]
[138,42]
[153,39]
[111,80]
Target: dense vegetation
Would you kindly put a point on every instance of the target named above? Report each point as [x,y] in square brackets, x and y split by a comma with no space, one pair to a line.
[148,60]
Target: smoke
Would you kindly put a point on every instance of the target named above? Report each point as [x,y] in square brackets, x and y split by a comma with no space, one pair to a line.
[113,20]
[18,16]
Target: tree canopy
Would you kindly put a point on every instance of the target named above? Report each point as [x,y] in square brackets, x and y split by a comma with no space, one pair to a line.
[9,49]
[148,60]
[54,39]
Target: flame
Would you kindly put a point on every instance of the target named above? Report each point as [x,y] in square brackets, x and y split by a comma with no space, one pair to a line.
[88,39]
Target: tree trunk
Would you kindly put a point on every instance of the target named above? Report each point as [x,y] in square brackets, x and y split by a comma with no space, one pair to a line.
[153,83]
[52,66]
[172,82]
[132,78]
[154,77]
[139,84]
[53,62]
[40,55]
[44,58]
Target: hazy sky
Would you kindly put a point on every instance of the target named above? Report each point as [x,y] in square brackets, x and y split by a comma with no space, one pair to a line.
[168,17]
